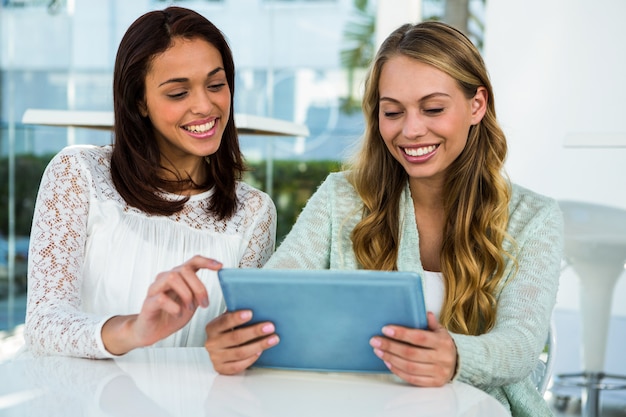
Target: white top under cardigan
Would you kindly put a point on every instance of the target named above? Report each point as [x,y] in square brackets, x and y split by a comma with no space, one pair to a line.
[434,290]
[92,256]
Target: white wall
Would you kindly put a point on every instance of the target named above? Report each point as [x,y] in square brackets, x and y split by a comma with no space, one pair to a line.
[391,14]
[558,70]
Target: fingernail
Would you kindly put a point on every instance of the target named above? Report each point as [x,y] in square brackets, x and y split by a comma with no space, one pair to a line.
[205,302]
[272,340]
[387,364]
[374,342]
[387,331]
[378,353]
[246,315]
[268,328]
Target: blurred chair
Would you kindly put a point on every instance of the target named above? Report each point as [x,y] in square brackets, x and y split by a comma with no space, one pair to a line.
[542,374]
[595,248]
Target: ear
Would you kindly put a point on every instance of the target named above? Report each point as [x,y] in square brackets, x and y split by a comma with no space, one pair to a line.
[143,109]
[479,104]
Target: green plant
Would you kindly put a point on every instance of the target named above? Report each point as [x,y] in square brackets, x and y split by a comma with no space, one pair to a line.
[293,183]
[358,51]
[28,172]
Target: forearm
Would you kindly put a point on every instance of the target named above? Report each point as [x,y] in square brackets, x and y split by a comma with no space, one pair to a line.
[51,330]
[493,360]
[509,352]
[118,336]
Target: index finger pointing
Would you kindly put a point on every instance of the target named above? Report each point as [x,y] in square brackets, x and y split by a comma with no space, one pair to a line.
[188,271]
[199,262]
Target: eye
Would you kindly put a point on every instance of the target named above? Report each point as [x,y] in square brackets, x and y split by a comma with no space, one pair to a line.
[434,111]
[391,114]
[216,87]
[177,96]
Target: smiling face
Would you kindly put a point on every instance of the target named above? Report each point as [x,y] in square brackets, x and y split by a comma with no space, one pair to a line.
[188,102]
[424,117]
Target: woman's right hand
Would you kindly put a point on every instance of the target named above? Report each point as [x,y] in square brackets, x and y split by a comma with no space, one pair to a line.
[234,347]
[171,301]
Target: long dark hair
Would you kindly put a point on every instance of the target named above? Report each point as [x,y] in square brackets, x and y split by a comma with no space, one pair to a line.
[135,163]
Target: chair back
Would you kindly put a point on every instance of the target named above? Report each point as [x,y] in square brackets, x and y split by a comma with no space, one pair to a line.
[542,374]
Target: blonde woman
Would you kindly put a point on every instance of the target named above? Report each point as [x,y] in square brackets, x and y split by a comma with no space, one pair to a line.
[427,193]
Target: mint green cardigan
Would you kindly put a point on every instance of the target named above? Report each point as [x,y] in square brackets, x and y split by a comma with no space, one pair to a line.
[499,362]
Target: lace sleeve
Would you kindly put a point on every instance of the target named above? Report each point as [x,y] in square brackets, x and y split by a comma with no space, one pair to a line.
[54,322]
[261,208]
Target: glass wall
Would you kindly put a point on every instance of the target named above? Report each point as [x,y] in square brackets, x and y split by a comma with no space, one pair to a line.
[293,62]
[59,55]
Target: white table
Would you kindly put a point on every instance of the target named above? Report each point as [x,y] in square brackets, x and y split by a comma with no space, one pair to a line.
[181,382]
[246,124]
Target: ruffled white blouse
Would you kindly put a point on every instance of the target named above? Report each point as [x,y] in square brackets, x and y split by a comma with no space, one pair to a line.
[92,256]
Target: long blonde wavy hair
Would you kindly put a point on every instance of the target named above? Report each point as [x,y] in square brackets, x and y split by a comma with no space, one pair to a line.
[476,192]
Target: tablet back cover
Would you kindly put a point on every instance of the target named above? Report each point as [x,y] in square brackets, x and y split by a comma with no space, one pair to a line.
[325,318]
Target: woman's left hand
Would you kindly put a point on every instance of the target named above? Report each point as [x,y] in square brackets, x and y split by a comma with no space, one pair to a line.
[426,358]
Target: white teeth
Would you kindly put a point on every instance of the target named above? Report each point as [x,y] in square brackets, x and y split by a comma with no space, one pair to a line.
[200,128]
[419,151]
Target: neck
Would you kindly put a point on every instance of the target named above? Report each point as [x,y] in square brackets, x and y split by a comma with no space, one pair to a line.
[426,195]
[195,169]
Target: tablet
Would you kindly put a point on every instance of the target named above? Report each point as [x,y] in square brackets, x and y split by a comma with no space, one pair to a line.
[325,318]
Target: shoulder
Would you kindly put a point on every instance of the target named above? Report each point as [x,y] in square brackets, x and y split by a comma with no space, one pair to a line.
[87,150]
[336,193]
[337,183]
[247,192]
[528,207]
[87,165]
[527,201]
[88,155]
[250,196]
[338,179]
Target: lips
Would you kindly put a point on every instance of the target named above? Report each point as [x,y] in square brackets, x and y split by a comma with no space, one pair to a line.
[420,151]
[200,128]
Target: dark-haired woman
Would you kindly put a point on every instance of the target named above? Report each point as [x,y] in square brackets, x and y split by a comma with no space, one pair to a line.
[126,238]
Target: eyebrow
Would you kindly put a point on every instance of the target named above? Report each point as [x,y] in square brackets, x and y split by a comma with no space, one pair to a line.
[426,97]
[182,80]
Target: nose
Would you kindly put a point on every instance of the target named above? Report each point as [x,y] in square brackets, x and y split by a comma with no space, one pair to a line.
[414,125]
[201,102]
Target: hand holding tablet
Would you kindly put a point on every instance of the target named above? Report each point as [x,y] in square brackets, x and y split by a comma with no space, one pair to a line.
[325,318]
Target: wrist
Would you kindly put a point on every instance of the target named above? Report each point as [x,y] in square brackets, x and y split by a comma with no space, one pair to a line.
[118,336]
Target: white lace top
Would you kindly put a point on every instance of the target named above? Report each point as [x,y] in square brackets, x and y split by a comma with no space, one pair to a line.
[92,256]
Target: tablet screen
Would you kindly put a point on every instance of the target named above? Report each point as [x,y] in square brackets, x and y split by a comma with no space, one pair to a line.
[325,318]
